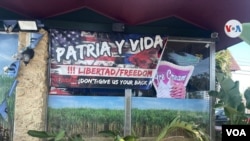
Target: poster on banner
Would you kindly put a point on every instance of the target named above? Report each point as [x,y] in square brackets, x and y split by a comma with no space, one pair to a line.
[9,68]
[81,59]
[171,80]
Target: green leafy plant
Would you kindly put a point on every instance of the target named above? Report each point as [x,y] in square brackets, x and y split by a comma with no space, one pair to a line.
[228,97]
[54,136]
[189,128]
[117,137]
[223,62]
[247,97]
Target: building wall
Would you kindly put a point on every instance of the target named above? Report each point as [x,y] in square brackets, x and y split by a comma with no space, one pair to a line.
[31,91]
[243,76]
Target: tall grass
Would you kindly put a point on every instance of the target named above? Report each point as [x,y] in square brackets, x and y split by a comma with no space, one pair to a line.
[145,123]
[7,125]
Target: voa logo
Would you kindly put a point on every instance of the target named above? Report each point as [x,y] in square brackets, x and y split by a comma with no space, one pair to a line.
[233,28]
[236,132]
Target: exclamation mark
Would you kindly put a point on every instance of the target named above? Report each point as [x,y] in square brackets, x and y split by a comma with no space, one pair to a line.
[73,70]
[69,70]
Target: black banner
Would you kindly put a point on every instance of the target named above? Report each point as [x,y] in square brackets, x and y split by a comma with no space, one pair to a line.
[81,59]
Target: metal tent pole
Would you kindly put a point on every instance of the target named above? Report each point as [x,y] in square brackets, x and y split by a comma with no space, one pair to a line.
[127,121]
